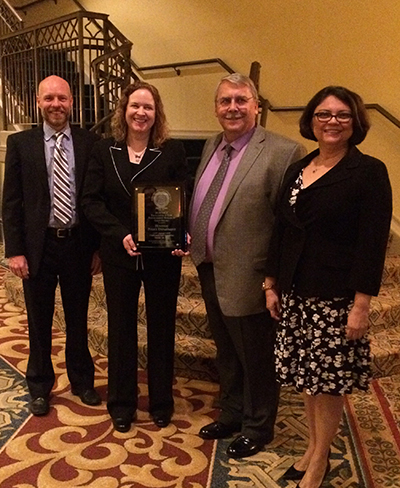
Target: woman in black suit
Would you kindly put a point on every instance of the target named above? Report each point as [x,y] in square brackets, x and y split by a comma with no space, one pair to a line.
[324,263]
[139,152]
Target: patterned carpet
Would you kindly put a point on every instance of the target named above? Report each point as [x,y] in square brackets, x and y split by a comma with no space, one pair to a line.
[75,445]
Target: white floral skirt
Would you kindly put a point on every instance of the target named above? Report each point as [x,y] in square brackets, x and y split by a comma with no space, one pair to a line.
[312,352]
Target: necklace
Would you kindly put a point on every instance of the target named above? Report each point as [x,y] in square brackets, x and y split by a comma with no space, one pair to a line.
[316,167]
[327,164]
[138,156]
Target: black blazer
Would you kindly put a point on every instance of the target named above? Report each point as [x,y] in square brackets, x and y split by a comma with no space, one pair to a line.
[26,194]
[334,244]
[107,199]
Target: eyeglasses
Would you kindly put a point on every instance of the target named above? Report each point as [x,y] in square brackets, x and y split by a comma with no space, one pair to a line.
[239,101]
[327,116]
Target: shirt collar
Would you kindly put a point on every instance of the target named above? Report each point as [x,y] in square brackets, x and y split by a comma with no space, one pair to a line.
[49,131]
[240,142]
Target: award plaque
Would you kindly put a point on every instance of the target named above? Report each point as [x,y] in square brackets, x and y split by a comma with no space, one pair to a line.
[158,216]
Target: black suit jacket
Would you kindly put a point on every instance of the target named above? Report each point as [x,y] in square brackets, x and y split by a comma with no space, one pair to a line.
[334,243]
[107,199]
[26,194]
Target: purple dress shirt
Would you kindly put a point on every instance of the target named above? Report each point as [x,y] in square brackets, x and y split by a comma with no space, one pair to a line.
[239,147]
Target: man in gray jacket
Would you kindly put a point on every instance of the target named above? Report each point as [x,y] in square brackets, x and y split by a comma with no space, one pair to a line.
[231,219]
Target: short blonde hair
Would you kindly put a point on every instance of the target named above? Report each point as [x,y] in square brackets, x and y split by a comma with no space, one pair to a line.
[238,79]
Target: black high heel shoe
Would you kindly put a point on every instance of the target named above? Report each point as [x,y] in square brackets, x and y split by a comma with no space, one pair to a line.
[328,468]
[293,474]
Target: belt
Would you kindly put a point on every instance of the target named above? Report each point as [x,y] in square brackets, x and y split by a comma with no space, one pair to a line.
[62,233]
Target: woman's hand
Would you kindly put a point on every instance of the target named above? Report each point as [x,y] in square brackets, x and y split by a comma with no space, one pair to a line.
[179,252]
[357,321]
[130,246]
[273,303]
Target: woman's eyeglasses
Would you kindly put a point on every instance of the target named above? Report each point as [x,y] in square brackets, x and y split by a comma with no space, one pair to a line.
[327,116]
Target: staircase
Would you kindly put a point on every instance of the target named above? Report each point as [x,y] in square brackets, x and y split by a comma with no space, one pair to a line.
[194,347]
[385,322]
[84,48]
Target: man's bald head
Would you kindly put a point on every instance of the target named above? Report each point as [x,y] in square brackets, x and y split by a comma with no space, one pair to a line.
[54,99]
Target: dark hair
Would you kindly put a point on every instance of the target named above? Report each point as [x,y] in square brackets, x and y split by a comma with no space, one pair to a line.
[159,131]
[361,122]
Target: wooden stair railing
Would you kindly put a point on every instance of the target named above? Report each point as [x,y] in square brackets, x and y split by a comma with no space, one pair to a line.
[85,48]
[10,21]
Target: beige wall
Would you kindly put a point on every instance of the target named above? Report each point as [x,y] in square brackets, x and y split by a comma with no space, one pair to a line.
[302,45]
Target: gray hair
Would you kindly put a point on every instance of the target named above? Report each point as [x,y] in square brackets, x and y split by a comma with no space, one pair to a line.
[238,79]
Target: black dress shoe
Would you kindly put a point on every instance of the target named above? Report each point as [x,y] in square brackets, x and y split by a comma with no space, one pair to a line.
[88,396]
[39,406]
[243,446]
[121,424]
[218,430]
[162,419]
[293,474]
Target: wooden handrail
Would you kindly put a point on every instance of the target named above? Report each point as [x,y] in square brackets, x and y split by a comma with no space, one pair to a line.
[184,64]
[75,15]
[371,106]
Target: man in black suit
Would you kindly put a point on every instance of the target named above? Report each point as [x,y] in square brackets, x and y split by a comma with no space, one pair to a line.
[45,248]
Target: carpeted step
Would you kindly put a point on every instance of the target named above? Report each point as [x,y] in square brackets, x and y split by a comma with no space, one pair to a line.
[191,318]
[391,271]
[189,286]
[194,355]
[195,350]
[385,310]
[384,329]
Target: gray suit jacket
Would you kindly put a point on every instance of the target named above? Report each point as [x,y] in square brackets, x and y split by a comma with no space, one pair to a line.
[246,220]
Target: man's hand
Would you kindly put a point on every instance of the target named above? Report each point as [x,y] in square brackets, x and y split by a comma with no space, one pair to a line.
[19,266]
[273,303]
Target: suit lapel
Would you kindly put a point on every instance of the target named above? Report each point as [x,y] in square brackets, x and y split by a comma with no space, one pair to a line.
[80,157]
[209,150]
[38,156]
[120,159]
[150,156]
[249,158]
[340,172]
[122,165]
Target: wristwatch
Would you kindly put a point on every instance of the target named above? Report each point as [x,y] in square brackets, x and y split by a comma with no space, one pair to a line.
[269,286]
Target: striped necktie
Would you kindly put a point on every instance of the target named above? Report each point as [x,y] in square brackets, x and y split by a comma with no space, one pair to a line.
[199,231]
[61,187]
